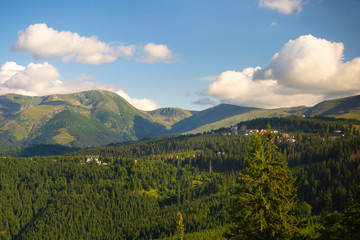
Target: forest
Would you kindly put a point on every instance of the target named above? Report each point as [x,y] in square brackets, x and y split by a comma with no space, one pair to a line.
[139,188]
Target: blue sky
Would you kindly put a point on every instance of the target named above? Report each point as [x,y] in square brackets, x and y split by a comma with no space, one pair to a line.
[188,54]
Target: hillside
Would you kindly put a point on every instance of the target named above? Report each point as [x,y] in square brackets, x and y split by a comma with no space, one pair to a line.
[208,116]
[348,108]
[258,113]
[169,116]
[91,118]
[98,118]
[138,188]
[340,108]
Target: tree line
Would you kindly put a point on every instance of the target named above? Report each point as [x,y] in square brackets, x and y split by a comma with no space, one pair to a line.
[64,197]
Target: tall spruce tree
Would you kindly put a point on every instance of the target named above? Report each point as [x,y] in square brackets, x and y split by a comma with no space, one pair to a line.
[263,202]
[179,232]
[351,219]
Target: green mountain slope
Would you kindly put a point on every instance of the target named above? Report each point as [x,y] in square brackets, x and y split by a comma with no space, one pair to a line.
[91,118]
[340,108]
[209,116]
[97,118]
[259,113]
[169,116]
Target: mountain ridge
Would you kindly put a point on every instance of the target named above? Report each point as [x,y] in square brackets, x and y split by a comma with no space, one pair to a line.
[89,118]
[98,117]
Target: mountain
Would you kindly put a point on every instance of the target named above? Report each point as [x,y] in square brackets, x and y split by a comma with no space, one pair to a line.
[169,116]
[85,119]
[97,118]
[225,115]
[257,113]
[340,108]
[208,116]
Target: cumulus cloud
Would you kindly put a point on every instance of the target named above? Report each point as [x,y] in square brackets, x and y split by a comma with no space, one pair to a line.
[46,43]
[31,79]
[156,53]
[304,72]
[283,6]
[143,104]
[39,79]
[314,65]
[240,88]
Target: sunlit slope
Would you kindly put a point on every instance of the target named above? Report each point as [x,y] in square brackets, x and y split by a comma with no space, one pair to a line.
[90,118]
[259,113]
[340,108]
[209,116]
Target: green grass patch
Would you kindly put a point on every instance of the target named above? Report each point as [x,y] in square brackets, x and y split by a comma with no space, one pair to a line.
[63,137]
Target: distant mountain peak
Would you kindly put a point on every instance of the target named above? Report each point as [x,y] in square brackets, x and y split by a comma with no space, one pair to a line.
[100,117]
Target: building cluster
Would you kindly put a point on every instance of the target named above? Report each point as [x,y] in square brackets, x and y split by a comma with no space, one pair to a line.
[90,159]
[336,135]
[249,132]
[177,157]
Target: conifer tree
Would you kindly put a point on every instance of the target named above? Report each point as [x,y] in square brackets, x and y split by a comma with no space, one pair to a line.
[351,219]
[263,203]
[179,232]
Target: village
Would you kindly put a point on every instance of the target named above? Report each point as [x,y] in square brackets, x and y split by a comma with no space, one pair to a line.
[249,132]
[232,131]
[281,136]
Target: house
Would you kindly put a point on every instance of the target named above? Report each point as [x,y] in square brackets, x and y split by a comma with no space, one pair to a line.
[285,135]
[337,132]
[91,159]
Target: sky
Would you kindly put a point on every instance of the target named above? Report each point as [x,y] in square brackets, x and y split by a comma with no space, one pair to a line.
[191,54]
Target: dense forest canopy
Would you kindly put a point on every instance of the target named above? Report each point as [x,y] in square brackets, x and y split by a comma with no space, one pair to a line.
[138,188]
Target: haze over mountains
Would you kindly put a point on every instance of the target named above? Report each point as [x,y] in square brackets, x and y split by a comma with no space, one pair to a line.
[95,118]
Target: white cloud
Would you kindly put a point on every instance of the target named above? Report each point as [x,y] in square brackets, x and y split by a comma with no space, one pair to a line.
[156,53]
[143,104]
[32,79]
[304,72]
[43,79]
[240,88]
[314,65]
[8,70]
[125,51]
[283,6]
[45,43]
